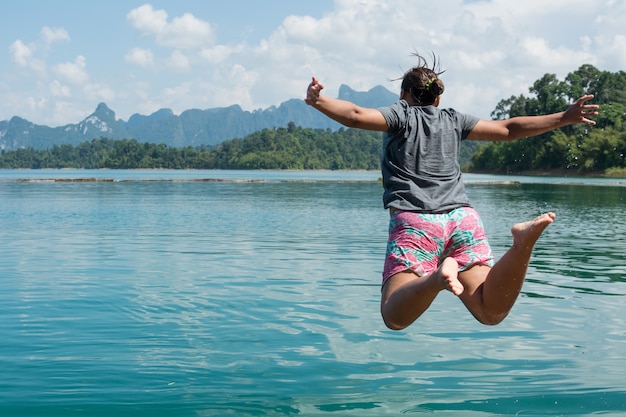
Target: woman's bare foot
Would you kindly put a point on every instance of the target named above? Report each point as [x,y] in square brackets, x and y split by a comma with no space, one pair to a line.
[447,275]
[526,234]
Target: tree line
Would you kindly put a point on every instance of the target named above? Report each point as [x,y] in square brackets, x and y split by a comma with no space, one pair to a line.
[281,148]
[578,149]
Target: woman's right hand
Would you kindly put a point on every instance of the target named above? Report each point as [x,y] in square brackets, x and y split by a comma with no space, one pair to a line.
[313,91]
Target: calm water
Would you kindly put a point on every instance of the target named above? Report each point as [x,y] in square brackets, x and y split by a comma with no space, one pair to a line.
[146,297]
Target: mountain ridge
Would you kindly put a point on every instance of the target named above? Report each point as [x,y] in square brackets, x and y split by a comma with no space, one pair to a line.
[193,127]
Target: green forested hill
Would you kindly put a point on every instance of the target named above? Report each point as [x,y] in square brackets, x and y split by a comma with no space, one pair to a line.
[282,148]
[577,149]
[193,127]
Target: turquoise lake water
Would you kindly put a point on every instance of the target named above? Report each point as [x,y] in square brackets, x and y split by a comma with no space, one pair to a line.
[234,293]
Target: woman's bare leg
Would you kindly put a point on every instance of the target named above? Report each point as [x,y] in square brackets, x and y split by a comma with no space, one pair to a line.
[490,293]
[405,296]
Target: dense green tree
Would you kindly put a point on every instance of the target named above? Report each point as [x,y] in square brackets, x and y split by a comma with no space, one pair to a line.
[577,148]
[282,148]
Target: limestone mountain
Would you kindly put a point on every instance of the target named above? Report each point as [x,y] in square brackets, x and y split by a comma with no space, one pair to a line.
[192,127]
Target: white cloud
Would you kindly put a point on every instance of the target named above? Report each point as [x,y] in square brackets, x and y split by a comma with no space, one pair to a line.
[178,91]
[29,55]
[188,32]
[178,61]
[613,51]
[36,103]
[140,56]
[51,35]
[22,53]
[183,32]
[147,20]
[59,90]
[240,84]
[224,87]
[538,49]
[73,72]
[96,92]
[25,56]
[479,62]
[219,53]
[490,49]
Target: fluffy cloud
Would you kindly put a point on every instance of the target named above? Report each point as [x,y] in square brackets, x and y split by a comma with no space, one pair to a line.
[147,20]
[140,56]
[51,35]
[73,72]
[21,53]
[183,32]
[26,55]
[490,49]
[178,61]
[220,53]
[59,90]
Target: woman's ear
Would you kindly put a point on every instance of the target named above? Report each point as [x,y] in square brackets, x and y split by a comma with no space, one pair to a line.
[437,100]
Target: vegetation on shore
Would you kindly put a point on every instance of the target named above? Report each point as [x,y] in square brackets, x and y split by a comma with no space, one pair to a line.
[282,148]
[575,150]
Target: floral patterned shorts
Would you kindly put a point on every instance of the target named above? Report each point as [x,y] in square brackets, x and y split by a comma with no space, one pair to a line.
[419,242]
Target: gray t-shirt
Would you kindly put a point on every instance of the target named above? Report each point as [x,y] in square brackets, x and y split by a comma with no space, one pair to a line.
[420,162]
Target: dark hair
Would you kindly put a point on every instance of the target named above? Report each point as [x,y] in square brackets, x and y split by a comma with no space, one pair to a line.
[422,82]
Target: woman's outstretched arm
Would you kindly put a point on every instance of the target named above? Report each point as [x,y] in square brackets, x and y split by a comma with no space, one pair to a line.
[525,126]
[344,112]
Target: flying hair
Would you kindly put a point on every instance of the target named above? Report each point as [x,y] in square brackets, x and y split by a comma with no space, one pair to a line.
[422,81]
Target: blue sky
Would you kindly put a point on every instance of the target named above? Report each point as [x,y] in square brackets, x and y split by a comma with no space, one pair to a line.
[59,59]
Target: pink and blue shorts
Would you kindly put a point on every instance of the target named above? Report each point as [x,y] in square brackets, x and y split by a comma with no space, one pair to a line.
[419,242]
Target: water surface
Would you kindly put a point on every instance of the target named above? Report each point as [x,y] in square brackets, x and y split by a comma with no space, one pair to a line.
[160,294]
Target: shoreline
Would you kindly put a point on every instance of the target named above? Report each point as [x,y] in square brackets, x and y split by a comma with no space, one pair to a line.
[550,173]
[68,175]
[531,173]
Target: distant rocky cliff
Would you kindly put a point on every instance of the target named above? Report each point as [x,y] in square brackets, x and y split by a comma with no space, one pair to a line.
[190,128]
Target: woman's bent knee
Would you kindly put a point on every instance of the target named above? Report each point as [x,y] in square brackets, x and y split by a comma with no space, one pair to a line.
[392,324]
[491,319]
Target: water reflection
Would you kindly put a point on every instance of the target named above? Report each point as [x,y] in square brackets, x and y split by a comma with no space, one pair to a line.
[249,299]
[586,243]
